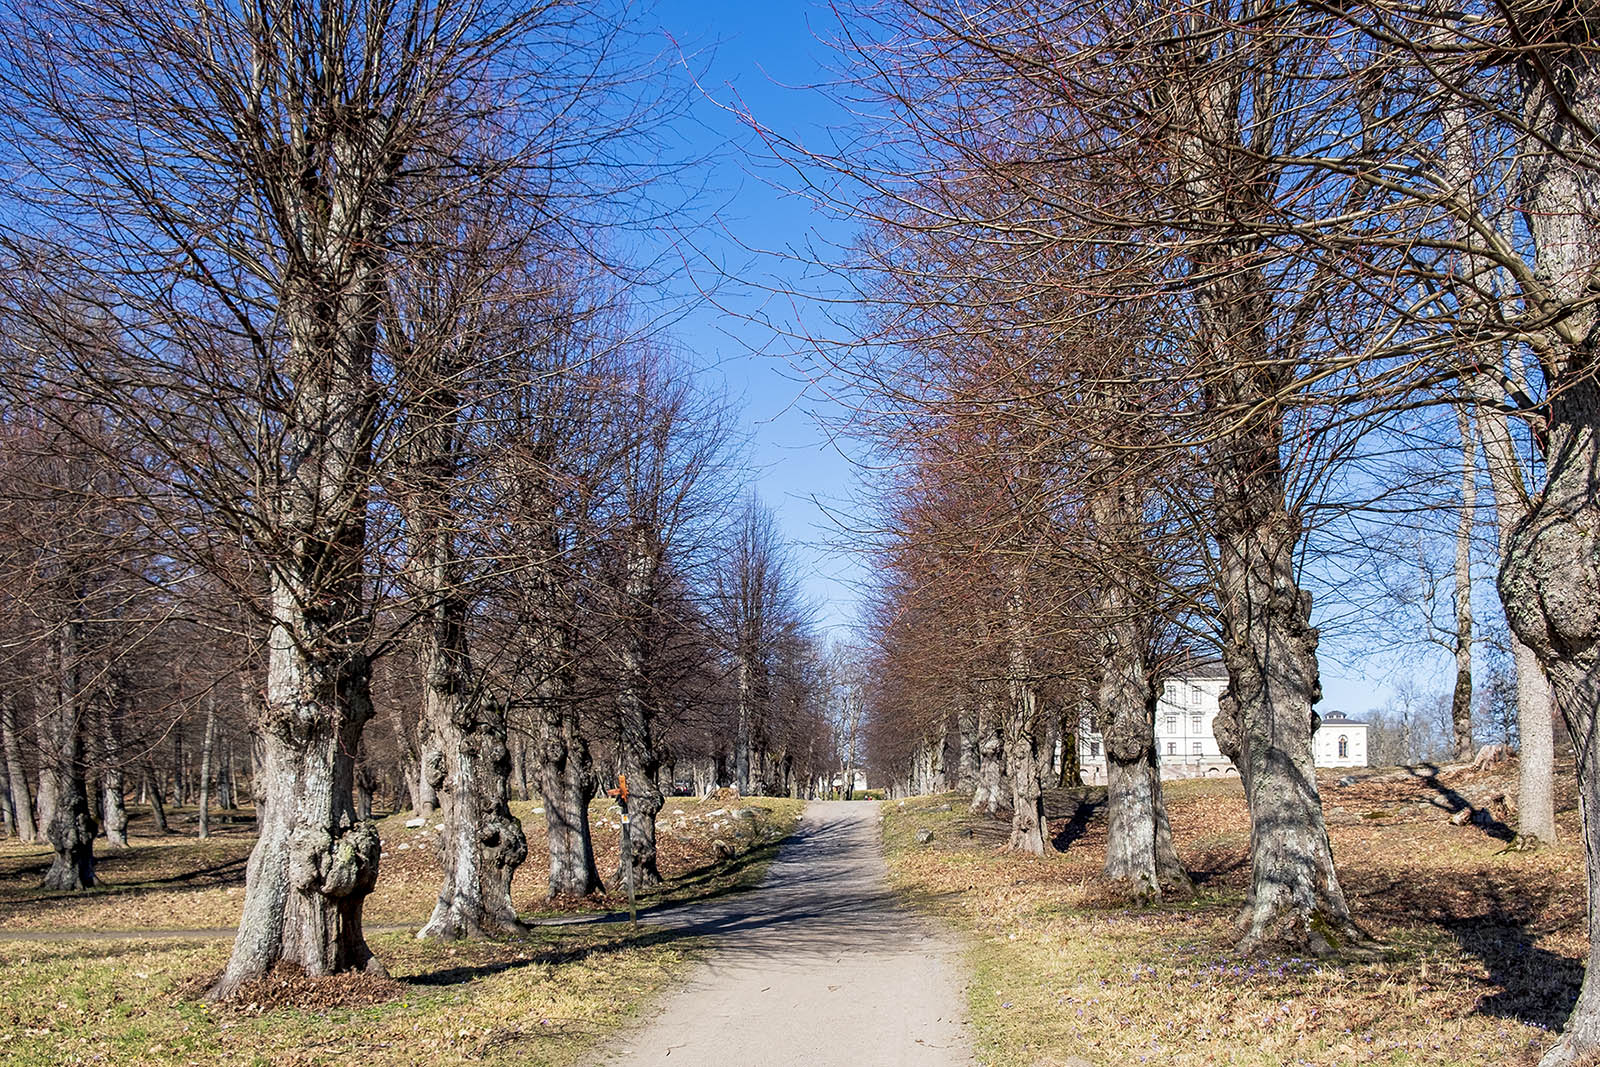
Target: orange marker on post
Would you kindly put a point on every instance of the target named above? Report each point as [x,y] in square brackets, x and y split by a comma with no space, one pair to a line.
[621,793]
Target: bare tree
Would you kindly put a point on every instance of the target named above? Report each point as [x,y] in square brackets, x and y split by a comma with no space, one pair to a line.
[240,234]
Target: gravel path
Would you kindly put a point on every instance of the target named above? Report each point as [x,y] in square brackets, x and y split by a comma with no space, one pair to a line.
[821,966]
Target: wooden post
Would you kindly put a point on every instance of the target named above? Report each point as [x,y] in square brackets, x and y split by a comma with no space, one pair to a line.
[621,793]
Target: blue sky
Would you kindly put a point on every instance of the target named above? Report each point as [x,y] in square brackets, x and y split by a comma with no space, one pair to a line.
[767,59]
[764,58]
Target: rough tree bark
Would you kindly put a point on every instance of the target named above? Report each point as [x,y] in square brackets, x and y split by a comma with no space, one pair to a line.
[637,752]
[158,807]
[1266,720]
[565,771]
[71,827]
[967,747]
[1140,856]
[1030,832]
[113,804]
[208,738]
[466,762]
[1071,762]
[988,795]
[16,770]
[315,862]
[1550,574]
[482,844]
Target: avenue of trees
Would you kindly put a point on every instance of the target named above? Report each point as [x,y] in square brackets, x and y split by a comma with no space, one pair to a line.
[345,459]
[342,464]
[1164,318]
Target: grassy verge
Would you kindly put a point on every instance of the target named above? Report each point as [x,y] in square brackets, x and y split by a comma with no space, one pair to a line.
[1484,946]
[540,1000]
[176,882]
[547,998]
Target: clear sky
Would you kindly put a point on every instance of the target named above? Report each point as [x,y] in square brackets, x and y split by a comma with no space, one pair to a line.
[766,58]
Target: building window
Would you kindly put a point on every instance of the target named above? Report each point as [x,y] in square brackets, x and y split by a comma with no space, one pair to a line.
[1094,748]
[1344,747]
[1194,724]
[1172,748]
[1199,749]
[1172,724]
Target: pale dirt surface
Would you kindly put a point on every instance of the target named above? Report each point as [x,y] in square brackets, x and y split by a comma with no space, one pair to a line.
[820,966]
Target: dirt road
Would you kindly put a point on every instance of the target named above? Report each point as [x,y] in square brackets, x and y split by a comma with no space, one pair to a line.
[820,966]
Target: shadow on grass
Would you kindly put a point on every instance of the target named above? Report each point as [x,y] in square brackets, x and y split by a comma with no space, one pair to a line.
[225,873]
[645,937]
[1537,986]
[1454,802]
[1082,809]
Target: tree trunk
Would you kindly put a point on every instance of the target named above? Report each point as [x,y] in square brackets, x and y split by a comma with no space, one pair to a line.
[430,772]
[44,798]
[989,793]
[1265,727]
[8,813]
[1071,765]
[1536,812]
[208,738]
[1265,723]
[519,765]
[1140,858]
[71,828]
[366,782]
[315,863]
[1550,585]
[113,805]
[482,844]
[566,777]
[567,784]
[1461,698]
[967,747]
[1536,757]
[410,777]
[158,808]
[16,772]
[1030,831]
[225,798]
[1550,571]
[636,740]
[743,744]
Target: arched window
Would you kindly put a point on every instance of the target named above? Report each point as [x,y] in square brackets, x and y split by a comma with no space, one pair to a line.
[1344,747]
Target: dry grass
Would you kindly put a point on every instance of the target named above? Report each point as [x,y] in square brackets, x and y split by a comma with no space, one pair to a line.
[546,999]
[177,882]
[542,1000]
[1484,945]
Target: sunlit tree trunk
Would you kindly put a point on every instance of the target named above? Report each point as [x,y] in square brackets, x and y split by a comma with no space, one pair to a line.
[16,770]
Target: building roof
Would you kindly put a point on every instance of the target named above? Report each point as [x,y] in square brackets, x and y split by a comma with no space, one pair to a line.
[1339,718]
[1193,666]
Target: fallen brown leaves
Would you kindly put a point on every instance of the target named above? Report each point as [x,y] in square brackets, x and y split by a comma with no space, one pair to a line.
[1483,945]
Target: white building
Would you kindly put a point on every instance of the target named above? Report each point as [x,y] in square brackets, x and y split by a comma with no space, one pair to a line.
[1340,741]
[1185,746]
